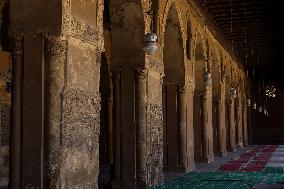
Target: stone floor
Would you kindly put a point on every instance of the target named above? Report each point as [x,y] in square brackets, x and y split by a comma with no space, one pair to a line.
[213,166]
[218,161]
[4,184]
[275,160]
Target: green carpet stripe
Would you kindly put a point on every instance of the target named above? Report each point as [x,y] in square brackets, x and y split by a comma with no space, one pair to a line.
[223,180]
[273,170]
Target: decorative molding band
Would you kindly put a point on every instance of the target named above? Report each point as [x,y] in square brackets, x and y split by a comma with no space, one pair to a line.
[17,43]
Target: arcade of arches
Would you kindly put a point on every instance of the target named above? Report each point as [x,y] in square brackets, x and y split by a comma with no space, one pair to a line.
[90,109]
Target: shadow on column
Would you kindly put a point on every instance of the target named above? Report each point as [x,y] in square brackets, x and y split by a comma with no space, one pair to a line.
[106,160]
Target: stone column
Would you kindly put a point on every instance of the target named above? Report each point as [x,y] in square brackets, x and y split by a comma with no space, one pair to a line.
[109,125]
[245,128]
[232,140]
[116,77]
[222,122]
[55,59]
[189,126]
[141,123]
[220,128]
[249,122]
[16,112]
[182,126]
[164,104]
[207,133]
[240,124]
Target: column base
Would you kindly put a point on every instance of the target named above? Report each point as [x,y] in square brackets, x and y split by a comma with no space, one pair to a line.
[190,167]
[176,169]
[222,154]
[233,149]
[116,184]
[140,184]
[240,145]
[127,184]
[207,159]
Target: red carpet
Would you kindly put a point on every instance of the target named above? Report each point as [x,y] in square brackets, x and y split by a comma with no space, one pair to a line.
[254,160]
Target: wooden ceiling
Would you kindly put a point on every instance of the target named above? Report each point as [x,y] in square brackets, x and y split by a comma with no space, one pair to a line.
[254,30]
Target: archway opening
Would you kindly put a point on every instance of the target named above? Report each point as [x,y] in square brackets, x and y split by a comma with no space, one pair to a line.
[199,68]
[173,56]
[228,100]
[216,97]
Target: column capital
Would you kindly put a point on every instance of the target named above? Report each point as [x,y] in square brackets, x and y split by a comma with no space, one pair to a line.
[17,43]
[207,77]
[181,89]
[56,45]
[141,73]
[162,75]
[202,94]
[233,92]
[16,35]
[116,75]
[218,100]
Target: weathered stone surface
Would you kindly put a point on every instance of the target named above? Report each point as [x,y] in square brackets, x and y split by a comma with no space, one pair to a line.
[154,144]
[85,11]
[83,66]
[80,139]
[55,70]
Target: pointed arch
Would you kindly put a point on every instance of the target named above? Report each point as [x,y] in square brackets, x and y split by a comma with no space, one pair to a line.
[174,81]
[163,20]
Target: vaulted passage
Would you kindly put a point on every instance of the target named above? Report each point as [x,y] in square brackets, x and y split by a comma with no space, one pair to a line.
[141,94]
[174,95]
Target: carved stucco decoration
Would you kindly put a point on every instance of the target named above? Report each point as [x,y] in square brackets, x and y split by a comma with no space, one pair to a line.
[154,144]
